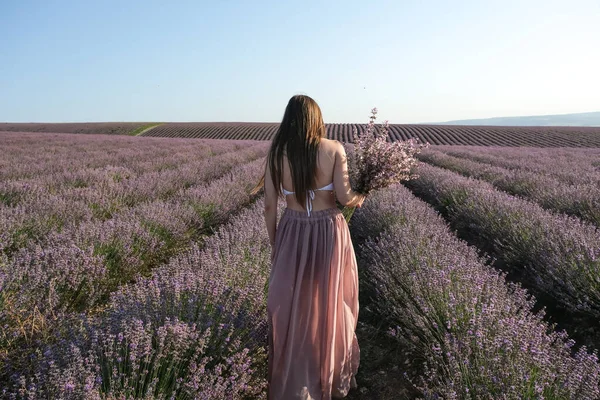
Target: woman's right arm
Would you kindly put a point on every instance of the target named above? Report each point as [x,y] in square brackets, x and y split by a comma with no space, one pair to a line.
[341,181]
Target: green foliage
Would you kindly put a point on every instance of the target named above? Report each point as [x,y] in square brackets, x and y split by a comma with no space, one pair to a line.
[209,214]
[112,253]
[137,131]
[10,199]
[28,231]
[103,212]
[78,183]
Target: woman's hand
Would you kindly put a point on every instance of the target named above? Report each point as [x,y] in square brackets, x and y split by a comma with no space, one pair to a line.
[361,201]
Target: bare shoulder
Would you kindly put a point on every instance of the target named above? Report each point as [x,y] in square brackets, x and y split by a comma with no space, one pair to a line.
[332,146]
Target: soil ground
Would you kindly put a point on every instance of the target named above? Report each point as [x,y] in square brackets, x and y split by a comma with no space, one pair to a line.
[379,376]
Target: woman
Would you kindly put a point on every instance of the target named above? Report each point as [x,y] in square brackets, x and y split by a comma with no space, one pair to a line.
[312,302]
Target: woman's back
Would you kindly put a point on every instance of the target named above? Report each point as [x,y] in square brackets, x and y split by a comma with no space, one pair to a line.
[331,168]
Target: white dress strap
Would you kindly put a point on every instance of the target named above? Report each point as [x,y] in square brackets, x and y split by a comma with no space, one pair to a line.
[327,187]
[310,197]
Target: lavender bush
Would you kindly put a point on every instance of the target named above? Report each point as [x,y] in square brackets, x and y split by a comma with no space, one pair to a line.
[35,155]
[463,332]
[172,360]
[78,269]
[572,166]
[70,237]
[556,256]
[101,194]
[206,309]
[579,200]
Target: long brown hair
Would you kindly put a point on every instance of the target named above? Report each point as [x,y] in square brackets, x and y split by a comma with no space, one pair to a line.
[298,137]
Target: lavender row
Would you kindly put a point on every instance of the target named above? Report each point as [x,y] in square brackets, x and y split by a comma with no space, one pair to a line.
[579,200]
[64,200]
[76,269]
[59,167]
[31,155]
[195,329]
[572,166]
[555,255]
[434,134]
[105,128]
[462,330]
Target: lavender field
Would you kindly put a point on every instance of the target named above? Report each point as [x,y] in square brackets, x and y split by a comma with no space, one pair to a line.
[455,135]
[137,267]
[104,128]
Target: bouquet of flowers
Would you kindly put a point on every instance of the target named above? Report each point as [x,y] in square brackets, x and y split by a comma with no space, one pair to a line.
[374,163]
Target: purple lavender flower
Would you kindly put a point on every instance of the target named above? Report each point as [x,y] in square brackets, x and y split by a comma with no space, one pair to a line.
[374,163]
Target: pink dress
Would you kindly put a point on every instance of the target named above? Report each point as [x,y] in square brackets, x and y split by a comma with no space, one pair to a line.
[312,307]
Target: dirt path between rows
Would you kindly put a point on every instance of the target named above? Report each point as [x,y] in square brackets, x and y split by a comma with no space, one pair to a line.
[379,376]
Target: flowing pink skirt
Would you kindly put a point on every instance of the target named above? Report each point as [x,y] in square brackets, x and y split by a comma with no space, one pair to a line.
[312,307]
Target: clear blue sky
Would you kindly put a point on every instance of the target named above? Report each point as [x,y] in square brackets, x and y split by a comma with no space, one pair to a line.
[417,61]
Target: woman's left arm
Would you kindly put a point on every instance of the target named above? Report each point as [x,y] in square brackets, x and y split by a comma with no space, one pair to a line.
[270,205]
